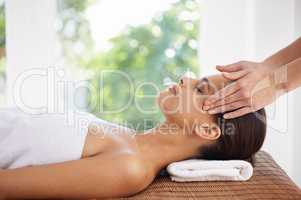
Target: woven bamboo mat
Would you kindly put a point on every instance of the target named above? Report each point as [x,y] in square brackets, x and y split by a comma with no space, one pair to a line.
[268,182]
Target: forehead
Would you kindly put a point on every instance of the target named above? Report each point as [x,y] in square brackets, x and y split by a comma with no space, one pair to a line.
[217,81]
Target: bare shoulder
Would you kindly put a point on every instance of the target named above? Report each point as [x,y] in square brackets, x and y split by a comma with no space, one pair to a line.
[131,168]
[100,140]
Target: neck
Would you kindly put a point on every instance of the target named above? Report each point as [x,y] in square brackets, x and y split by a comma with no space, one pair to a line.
[166,144]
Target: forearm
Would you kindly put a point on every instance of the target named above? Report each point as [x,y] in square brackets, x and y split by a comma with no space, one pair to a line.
[285,55]
[68,180]
[293,75]
[287,77]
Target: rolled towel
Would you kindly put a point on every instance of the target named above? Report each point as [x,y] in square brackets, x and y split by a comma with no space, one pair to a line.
[210,170]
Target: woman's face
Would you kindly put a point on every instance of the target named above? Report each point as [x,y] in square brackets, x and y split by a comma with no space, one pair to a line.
[182,103]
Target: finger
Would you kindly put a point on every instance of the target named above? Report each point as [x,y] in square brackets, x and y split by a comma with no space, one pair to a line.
[237,96]
[238,113]
[228,107]
[229,68]
[234,75]
[226,91]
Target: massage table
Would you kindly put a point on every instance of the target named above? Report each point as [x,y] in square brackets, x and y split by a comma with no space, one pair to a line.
[269,181]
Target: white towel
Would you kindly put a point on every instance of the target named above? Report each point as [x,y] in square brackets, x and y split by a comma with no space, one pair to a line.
[213,170]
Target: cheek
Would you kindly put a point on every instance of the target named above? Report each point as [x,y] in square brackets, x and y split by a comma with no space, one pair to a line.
[184,108]
[186,105]
[192,102]
[185,102]
[168,103]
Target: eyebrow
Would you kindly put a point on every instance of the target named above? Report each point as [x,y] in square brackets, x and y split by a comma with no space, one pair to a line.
[204,79]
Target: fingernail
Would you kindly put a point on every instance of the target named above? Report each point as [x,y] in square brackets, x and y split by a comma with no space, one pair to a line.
[206,107]
[212,111]
[226,116]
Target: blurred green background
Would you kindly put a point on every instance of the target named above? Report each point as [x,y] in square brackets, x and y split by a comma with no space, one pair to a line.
[164,47]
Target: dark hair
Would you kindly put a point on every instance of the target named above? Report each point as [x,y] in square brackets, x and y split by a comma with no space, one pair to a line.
[240,137]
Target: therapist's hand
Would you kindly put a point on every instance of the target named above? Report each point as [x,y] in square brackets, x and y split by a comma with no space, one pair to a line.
[244,94]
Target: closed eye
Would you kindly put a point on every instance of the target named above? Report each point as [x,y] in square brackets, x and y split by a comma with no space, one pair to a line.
[199,90]
[203,86]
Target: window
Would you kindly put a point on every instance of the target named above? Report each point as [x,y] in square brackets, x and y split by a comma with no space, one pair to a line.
[127,48]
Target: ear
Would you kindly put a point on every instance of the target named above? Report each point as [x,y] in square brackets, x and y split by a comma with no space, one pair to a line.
[208,132]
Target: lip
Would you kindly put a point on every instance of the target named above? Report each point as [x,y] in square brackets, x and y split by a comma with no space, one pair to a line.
[173,89]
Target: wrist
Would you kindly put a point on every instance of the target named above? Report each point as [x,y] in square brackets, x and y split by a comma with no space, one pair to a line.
[266,68]
[278,80]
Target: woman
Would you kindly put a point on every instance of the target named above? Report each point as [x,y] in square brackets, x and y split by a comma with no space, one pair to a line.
[109,161]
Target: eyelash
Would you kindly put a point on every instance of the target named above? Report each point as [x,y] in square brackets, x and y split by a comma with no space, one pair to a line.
[199,90]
